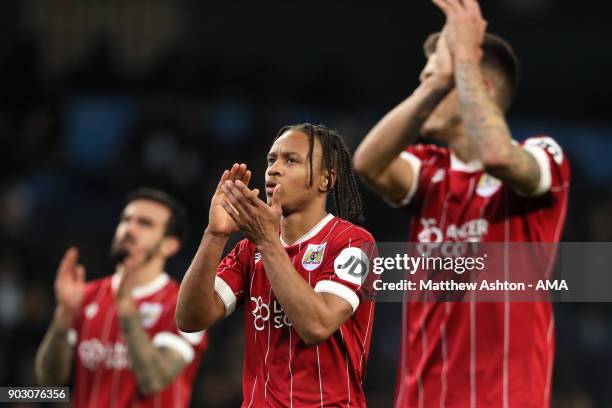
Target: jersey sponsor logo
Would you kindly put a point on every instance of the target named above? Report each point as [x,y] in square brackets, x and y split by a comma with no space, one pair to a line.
[91,310]
[94,354]
[262,312]
[352,265]
[548,144]
[313,256]
[150,313]
[470,231]
[487,186]
[430,232]
[452,242]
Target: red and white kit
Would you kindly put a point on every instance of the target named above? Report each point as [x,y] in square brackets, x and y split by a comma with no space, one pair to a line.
[103,375]
[279,369]
[470,354]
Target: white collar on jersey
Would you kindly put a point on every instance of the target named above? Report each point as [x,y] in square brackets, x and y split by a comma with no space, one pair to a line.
[314,231]
[471,167]
[145,290]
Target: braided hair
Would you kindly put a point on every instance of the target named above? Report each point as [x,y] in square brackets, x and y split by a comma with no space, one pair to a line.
[335,156]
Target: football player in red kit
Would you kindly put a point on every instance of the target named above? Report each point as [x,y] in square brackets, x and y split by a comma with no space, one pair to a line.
[120,330]
[483,187]
[298,274]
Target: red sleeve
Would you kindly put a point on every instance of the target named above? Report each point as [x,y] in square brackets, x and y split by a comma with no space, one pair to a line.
[232,275]
[166,333]
[424,160]
[554,168]
[346,265]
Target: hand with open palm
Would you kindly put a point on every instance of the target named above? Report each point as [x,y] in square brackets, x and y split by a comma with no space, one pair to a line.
[69,287]
[219,221]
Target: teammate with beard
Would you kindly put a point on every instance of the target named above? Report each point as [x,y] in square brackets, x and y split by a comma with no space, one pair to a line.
[129,351]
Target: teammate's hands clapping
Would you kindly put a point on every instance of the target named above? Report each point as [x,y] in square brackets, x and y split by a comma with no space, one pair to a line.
[69,287]
[439,68]
[465,28]
[123,296]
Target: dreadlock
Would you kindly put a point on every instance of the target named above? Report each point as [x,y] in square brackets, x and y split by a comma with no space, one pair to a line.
[335,156]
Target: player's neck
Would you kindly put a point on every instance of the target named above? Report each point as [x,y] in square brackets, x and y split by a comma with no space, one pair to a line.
[463,147]
[297,224]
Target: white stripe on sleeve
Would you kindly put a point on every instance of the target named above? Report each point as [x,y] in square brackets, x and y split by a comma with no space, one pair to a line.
[176,343]
[340,290]
[72,337]
[193,338]
[415,164]
[226,294]
[544,164]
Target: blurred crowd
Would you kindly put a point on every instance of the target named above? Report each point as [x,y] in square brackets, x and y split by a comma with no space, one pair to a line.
[84,122]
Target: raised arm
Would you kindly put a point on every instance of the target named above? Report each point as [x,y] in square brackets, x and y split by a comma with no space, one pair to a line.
[314,316]
[483,118]
[198,306]
[376,159]
[154,367]
[54,356]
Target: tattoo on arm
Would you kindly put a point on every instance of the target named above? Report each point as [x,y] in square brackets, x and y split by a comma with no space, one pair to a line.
[54,358]
[154,368]
[484,120]
[487,126]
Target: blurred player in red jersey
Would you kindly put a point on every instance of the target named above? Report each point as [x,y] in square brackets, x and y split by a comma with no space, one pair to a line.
[483,188]
[129,351]
[298,274]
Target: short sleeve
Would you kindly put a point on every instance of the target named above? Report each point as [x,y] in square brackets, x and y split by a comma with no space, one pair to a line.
[347,265]
[167,334]
[232,272]
[422,160]
[554,169]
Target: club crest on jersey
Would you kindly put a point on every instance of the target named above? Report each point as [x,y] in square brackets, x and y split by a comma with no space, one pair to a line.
[257,257]
[149,313]
[487,186]
[313,256]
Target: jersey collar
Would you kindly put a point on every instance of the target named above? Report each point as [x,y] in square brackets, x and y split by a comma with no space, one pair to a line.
[145,290]
[314,231]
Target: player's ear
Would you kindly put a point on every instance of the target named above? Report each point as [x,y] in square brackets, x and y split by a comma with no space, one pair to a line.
[327,180]
[170,246]
[490,86]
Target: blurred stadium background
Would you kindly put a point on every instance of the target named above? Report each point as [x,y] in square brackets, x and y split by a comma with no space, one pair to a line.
[100,97]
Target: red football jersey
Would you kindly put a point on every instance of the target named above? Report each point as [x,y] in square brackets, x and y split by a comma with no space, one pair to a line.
[497,354]
[103,376]
[279,369]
